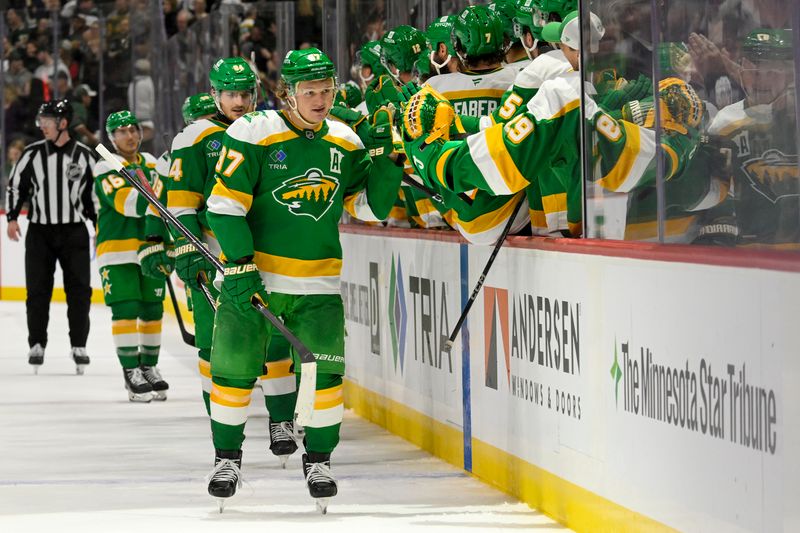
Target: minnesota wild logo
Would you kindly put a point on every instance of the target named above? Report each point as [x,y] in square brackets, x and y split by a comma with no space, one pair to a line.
[310,195]
[774,175]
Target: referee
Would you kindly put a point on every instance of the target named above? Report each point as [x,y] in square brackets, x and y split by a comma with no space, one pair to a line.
[55,176]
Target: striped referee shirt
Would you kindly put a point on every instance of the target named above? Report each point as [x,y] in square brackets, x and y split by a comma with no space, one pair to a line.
[57,180]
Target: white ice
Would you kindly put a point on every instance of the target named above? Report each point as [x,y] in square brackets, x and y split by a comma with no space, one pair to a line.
[75,455]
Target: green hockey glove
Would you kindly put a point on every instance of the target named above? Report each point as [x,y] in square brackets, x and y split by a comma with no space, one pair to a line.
[351,117]
[637,89]
[188,262]
[382,91]
[156,260]
[377,135]
[409,89]
[423,157]
[241,283]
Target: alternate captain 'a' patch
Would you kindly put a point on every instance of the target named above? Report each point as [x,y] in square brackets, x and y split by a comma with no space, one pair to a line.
[309,195]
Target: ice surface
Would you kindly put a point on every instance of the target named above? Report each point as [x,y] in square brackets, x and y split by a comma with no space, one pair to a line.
[75,455]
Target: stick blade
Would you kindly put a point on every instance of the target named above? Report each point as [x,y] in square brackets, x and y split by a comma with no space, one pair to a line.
[306,394]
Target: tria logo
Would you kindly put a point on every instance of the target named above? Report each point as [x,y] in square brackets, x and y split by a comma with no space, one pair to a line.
[495,309]
[398,316]
[309,195]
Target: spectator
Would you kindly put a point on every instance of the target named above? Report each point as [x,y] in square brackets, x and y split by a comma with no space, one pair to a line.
[84,122]
[17,30]
[182,20]
[256,44]
[17,76]
[30,59]
[142,100]
[62,89]
[48,67]
[15,149]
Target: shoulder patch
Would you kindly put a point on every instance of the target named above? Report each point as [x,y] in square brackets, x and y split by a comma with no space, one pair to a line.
[103,167]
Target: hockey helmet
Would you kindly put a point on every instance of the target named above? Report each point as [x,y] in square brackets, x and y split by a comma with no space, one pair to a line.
[477,31]
[196,106]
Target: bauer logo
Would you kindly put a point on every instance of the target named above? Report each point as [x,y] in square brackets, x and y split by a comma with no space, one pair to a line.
[398,314]
[309,195]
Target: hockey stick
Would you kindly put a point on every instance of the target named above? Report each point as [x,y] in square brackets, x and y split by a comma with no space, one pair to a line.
[258,78]
[306,393]
[202,282]
[188,338]
[499,244]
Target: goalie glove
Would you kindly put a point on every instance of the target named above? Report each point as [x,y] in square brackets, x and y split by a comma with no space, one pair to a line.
[156,260]
[428,115]
[681,109]
[241,283]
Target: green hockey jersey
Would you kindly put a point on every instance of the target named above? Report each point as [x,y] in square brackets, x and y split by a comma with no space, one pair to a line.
[279,195]
[120,217]
[194,154]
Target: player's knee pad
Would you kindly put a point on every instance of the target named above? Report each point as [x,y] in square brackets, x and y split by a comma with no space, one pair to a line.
[150,311]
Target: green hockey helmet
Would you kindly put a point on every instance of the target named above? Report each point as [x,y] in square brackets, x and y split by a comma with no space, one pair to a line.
[765,44]
[308,64]
[477,31]
[506,9]
[439,31]
[369,55]
[197,105]
[562,8]
[119,120]
[401,48]
[348,95]
[232,74]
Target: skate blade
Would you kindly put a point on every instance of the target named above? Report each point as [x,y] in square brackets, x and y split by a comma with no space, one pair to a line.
[221,503]
[143,397]
[284,459]
[322,505]
[36,369]
[79,369]
[160,396]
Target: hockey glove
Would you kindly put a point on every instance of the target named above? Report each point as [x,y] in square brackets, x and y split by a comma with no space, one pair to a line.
[188,262]
[241,283]
[627,91]
[383,91]
[156,260]
[377,136]
[681,108]
[351,117]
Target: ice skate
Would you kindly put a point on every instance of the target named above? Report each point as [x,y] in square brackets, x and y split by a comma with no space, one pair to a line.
[282,441]
[36,357]
[226,476]
[153,377]
[81,359]
[139,390]
[320,480]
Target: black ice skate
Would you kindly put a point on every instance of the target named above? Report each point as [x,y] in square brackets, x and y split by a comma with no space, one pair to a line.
[81,359]
[281,440]
[139,390]
[36,357]
[226,476]
[153,377]
[320,480]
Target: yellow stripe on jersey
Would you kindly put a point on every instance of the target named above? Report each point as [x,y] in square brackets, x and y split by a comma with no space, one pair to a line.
[278,137]
[440,164]
[223,192]
[673,157]
[120,245]
[474,93]
[555,203]
[566,109]
[492,219]
[298,268]
[538,218]
[206,132]
[121,327]
[120,198]
[344,143]
[649,230]
[184,199]
[230,396]
[327,398]
[622,169]
[205,368]
[502,159]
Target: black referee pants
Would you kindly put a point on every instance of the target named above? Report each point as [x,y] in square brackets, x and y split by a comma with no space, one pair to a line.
[69,245]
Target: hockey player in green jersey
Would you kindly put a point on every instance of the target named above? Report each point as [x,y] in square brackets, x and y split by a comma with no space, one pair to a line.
[516,55]
[479,41]
[281,181]
[441,54]
[195,152]
[759,136]
[136,300]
